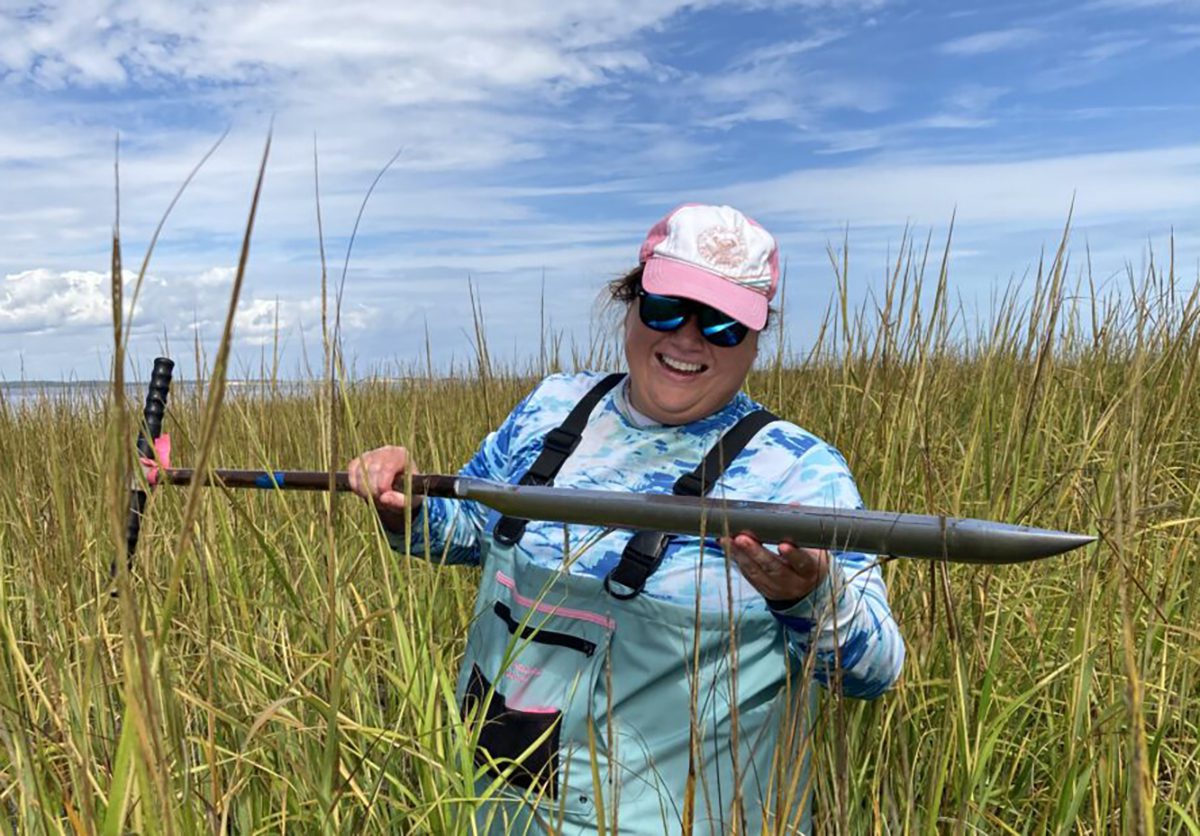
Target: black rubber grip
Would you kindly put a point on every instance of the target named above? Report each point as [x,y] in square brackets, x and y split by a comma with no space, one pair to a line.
[156,407]
[156,404]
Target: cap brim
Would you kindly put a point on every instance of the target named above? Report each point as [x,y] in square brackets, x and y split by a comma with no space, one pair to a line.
[667,277]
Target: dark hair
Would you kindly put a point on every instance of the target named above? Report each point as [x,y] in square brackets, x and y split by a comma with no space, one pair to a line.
[624,291]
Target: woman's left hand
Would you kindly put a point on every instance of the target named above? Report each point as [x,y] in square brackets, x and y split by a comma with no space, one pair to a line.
[787,575]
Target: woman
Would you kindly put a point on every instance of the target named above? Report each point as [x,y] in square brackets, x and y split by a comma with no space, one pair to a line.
[639,682]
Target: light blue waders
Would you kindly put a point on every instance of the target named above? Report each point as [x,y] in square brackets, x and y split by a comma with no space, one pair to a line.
[603,697]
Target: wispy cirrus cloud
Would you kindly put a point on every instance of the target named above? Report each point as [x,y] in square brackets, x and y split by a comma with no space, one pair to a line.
[1099,58]
[772,84]
[974,97]
[1185,6]
[1034,192]
[996,40]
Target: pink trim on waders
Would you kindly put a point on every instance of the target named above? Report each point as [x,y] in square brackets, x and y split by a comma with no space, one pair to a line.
[534,709]
[549,609]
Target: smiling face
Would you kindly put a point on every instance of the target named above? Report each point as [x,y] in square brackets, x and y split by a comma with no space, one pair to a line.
[679,377]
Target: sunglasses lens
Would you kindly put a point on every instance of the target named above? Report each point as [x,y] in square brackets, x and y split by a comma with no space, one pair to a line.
[662,313]
[721,329]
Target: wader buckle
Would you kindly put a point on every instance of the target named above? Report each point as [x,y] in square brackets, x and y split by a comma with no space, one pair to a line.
[640,559]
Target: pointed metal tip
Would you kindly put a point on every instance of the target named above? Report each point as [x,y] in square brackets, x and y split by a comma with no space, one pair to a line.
[1001,543]
[1065,541]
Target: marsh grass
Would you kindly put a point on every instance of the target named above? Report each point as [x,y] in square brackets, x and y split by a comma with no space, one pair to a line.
[270,664]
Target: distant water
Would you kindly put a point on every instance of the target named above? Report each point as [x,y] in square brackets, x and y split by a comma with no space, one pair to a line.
[88,392]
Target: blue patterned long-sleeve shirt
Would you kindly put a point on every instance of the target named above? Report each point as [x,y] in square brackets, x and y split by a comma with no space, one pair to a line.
[622,450]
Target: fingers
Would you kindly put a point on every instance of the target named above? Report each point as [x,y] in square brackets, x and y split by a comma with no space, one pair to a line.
[758,565]
[372,475]
[787,574]
[809,563]
[754,558]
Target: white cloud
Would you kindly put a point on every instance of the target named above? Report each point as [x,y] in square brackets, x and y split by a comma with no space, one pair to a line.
[1027,193]
[1108,48]
[845,142]
[767,84]
[258,321]
[953,121]
[1141,5]
[417,52]
[995,40]
[772,53]
[79,301]
[1087,63]
[39,300]
[973,98]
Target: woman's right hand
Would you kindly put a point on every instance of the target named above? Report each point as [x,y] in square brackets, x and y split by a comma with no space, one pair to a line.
[372,475]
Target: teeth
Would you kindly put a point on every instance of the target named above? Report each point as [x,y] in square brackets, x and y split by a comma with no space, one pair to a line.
[680,365]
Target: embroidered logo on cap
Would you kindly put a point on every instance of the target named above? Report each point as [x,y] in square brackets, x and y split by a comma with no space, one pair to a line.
[722,247]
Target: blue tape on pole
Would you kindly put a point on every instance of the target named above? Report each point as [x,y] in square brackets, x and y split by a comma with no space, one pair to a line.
[269,480]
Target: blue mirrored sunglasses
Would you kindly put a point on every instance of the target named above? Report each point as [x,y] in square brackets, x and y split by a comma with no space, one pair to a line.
[669,313]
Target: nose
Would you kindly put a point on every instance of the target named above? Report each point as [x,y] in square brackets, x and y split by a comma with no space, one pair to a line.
[688,335]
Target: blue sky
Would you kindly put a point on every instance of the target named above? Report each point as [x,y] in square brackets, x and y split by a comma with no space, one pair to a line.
[540,140]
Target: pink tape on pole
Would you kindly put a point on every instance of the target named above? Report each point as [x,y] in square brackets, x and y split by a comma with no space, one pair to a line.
[162,455]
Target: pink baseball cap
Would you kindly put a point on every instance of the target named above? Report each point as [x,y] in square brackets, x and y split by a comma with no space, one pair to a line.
[715,255]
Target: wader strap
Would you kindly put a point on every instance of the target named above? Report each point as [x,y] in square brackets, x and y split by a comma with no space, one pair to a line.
[558,444]
[730,445]
[644,552]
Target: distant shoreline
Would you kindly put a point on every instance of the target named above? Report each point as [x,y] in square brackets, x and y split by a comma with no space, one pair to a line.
[16,393]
